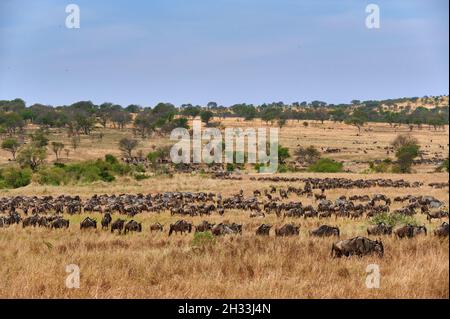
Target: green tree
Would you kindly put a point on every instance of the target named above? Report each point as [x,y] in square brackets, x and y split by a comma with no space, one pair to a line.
[57,147]
[11,145]
[308,155]
[356,121]
[206,116]
[405,157]
[39,138]
[31,156]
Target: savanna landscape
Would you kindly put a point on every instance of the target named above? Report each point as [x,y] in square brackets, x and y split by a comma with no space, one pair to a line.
[223,150]
[209,262]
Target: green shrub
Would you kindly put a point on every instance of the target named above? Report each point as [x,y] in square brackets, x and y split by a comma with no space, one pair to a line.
[393,219]
[111,159]
[14,177]
[52,176]
[202,239]
[326,165]
[140,177]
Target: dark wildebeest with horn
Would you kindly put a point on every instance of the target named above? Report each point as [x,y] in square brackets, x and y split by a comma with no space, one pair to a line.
[287,230]
[88,223]
[133,225]
[106,220]
[156,227]
[359,246]
[118,224]
[379,229]
[263,230]
[442,230]
[180,226]
[325,231]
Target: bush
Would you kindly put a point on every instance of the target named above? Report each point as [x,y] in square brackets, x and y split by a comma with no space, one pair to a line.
[14,177]
[52,176]
[393,219]
[140,177]
[326,165]
[202,239]
[384,167]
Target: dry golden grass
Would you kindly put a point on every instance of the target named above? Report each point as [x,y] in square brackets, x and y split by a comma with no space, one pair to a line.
[145,265]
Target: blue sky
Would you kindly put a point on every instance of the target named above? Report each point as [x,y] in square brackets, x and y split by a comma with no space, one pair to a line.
[228,51]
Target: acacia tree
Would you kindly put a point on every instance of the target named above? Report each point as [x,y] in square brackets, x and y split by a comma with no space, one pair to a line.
[206,116]
[31,156]
[356,121]
[127,145]
[57,147]
[11,145]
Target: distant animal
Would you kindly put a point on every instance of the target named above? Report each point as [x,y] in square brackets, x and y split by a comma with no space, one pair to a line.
[156,227]
[359,246]
[263,230]
[436,215]
[88,223]
[409,231]
[118,224]
[379,229]
[287,230]
[60,223]
[204,226]
[180,226]
[442,230]
[325,231]
[133,225]
[106,220]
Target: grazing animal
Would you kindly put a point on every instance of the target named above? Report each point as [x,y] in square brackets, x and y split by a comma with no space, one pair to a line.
[106,220]
[118,224]
[204,226]
[436,215]
[442,231]
[156,227]
[133,225]
[287,230]
[60,223]
[410,231]
[180,226]
[88,223]
[379,229]
[325,231]
[263,230]
[359,246]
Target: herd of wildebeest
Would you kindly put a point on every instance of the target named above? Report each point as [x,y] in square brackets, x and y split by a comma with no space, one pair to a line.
[48,211]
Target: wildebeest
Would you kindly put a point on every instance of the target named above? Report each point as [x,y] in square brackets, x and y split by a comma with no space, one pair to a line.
[324,231]
[410,231]
[379,229]
[180,226]
[442,230]
[225,228]
[30,221]
[118,224]
[106,220]
[88,223]
[60,223]
[204,226]
[359,246]
[133,225]
[263,230]
[156,227]
[436,215]
[287,230]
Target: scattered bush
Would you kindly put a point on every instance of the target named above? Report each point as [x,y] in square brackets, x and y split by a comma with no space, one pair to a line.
[15,177]
[326,165]
[393,219]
